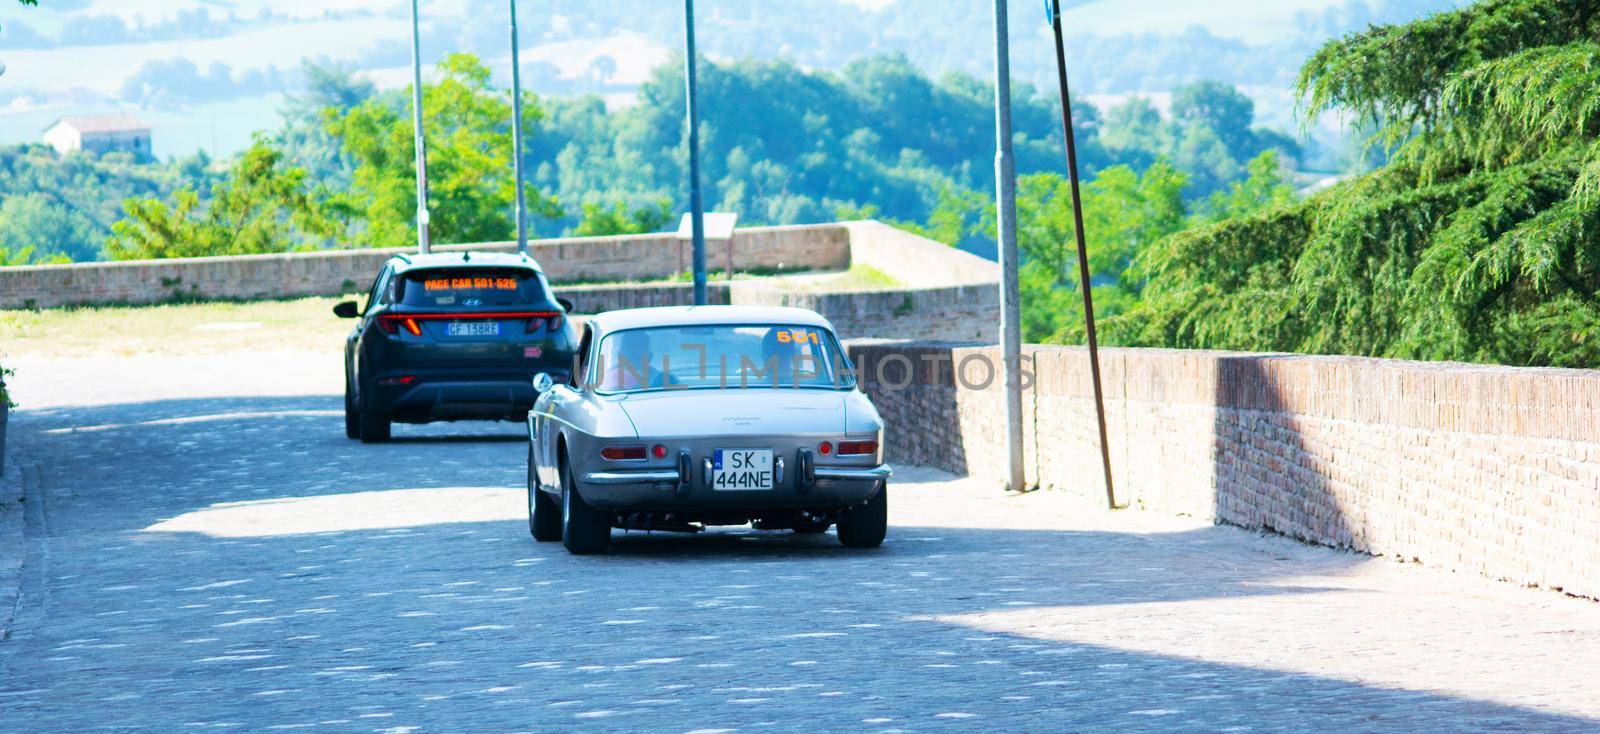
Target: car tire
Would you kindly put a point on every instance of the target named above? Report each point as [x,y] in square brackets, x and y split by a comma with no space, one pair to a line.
[584,529]
[374,422]
[865,526]
[544,514]
[352,415]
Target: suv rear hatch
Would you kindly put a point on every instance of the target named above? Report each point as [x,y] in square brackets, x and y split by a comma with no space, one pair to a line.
[482,317]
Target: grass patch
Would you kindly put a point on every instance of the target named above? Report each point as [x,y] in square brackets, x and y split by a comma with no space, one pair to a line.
[177,328]
[858,278]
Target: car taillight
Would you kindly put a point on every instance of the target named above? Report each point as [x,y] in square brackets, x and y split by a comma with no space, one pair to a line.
[622,453]
[551,322]
[403,380]
[660,452]
[824,448]
[857,448]
[392,324]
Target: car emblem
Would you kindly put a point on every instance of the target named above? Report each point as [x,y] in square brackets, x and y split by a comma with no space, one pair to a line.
[472,301]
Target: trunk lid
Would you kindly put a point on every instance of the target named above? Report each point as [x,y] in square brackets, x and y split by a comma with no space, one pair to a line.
[736,412]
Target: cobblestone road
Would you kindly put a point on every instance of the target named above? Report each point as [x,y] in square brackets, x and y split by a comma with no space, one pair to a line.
[206,550]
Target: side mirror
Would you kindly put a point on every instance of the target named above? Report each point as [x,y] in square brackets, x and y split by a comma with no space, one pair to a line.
[347,310]
[566,304]
[542,382]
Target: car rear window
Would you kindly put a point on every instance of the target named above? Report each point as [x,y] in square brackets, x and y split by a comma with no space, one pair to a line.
[721,356]
[472,288]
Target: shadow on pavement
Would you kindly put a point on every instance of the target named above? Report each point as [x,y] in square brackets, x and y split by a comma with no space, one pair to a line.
[471,625]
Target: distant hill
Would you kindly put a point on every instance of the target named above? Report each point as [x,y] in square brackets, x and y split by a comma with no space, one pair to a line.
[192,65]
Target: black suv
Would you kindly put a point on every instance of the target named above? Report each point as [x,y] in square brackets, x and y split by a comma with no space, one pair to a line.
[455,336]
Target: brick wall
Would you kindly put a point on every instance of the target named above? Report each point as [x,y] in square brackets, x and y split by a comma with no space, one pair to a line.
[1477,469]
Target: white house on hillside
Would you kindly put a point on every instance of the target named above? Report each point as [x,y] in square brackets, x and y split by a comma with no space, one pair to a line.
[100,134]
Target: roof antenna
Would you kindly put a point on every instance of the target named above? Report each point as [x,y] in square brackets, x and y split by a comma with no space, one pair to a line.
[416,123]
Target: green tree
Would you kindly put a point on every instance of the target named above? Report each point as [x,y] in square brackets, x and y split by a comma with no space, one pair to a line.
[35,227]
[329,90]
[1220,108]
[599,221]
[470,190]
[1264,188]
[1477,240]
[262,206]
[1124,213]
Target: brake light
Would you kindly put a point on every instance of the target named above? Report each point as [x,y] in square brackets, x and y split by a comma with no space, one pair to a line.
[660,452]
[622,453]
[824,448]
[857,448]
[391,323]
[534,324]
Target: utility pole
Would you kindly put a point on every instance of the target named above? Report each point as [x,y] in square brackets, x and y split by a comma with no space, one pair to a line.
[1053,9]
[696,206]
[1005,174]
[516,133]
[423,244]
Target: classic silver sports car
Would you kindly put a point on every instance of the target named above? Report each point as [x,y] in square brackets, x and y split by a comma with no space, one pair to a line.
[683,417]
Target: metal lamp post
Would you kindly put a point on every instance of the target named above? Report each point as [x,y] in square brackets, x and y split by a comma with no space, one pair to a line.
[1053,10]
[696,206]
[416,123]
[1005,174]
[516,133]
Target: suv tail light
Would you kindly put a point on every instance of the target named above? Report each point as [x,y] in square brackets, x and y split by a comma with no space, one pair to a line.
[623,453]
[391,323]
[550,321]
[857,448]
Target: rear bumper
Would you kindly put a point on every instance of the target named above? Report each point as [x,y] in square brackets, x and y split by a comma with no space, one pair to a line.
[658,490]
[852,474]
[498,397]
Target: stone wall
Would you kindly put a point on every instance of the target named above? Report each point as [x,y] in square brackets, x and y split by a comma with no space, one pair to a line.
[1477,469]
[945,293]
[288,275]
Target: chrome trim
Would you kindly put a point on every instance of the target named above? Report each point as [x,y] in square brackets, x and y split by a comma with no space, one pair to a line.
[631,477]
[882,471]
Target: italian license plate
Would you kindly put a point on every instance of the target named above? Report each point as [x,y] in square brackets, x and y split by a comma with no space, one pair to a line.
[473,328]
[741,469]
